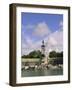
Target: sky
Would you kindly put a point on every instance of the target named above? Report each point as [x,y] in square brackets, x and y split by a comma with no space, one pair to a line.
[36,27]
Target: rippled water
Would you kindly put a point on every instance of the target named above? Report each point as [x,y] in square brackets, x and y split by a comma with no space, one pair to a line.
[41,72]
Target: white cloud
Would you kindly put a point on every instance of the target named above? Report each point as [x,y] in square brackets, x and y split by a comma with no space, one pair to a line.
[53,40]
[26,46]
[41,29]
[29,46]
[29,26]
[61,23]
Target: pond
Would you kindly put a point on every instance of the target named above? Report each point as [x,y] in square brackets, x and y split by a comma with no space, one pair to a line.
[42,72]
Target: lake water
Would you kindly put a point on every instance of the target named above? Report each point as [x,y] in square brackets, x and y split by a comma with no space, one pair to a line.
[41,72]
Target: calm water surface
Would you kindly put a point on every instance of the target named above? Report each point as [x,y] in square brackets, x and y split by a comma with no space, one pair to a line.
[41,72]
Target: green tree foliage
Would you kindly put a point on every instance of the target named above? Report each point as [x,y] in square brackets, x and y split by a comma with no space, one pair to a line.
[52,54]
[55,54]
[34,54]
[58,58]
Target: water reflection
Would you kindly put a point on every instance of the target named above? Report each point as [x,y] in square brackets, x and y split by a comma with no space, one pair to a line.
[41,72]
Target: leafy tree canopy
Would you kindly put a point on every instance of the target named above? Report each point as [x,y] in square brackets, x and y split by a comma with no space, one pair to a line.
[55,54]
[34,54]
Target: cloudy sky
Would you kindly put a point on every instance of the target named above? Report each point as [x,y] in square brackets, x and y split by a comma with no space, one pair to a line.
[36,27]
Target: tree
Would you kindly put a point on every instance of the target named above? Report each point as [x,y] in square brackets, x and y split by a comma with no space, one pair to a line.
[34,54]
[59,54]
[57,58]
[55,54]
[52,54]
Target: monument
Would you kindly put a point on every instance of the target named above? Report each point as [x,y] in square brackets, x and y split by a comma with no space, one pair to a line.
[43,48]
[43,52]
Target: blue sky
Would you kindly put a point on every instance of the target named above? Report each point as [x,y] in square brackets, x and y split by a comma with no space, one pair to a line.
[52,20]
[36,27]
